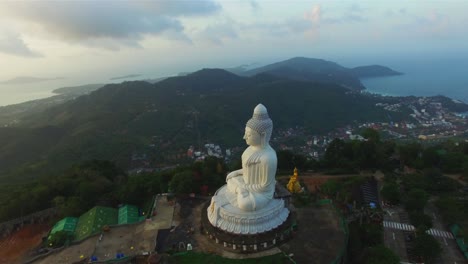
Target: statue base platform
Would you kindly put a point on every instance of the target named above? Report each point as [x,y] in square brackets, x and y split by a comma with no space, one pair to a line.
[223,215]
[247,243]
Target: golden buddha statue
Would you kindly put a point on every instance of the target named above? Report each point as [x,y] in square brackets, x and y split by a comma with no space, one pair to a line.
[293,185]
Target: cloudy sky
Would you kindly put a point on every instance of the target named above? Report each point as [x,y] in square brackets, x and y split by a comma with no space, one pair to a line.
[89,41]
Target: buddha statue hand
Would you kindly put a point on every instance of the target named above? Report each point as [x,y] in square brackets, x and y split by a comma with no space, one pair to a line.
[233,174]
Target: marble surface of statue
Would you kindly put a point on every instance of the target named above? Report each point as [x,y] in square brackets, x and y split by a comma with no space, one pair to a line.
[251,187]
[246,204]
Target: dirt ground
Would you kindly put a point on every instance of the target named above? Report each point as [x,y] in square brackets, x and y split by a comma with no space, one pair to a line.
[70,254]
[319,238]
[457,177]
[314,180]
[17,246]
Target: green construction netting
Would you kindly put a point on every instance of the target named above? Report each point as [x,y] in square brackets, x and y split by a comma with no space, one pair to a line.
[128,214]
[462,245]
[66,224]
[455,229]
[94,220]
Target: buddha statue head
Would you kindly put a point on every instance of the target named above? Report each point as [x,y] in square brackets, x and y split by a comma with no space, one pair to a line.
[259,127]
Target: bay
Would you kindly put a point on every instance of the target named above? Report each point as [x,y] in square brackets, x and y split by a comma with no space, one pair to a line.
[424,78]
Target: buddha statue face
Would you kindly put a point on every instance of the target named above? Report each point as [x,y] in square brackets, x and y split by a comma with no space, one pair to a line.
[258,128]
[252,137]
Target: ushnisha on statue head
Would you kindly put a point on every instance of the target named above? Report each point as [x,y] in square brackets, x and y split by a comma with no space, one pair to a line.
[258,129]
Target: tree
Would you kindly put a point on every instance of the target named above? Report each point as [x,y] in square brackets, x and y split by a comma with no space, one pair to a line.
[339,155]
[182,183]
[381,255]
[334,153]
[431,157]
[391,193]
[420,220]
[452,162]
[437,183]
[465,168]
[287,160]
[371,134]
[387,158]
[365,154]
[372,234]
[138,188]
[451,209]
[414,181]
[416,200]
[426,247]
[330,187]
[410,154]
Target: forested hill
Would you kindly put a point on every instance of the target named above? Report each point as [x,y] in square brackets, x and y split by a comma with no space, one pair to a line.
[318,70]
[211,104]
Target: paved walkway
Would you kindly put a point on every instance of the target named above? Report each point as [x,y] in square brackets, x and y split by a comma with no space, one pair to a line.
[162,220]
[407,227]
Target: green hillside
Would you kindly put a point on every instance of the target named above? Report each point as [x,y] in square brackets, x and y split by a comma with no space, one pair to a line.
[119,119]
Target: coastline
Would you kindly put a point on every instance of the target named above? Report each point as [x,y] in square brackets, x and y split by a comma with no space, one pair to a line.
[425,80]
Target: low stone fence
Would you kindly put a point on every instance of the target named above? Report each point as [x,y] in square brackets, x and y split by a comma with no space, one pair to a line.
[38,217]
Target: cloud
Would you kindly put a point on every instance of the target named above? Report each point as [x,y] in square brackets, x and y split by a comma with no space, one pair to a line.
[218,33]
[88,22]
[315,15]
[181,8]
[353,13]
[13,44]
[254,5]
[432,24]
[305,23]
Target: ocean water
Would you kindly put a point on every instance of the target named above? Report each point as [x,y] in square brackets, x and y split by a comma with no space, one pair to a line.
[14,93]
[448,77]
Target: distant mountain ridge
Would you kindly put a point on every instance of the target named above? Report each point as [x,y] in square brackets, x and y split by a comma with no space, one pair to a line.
[78,90]
[319,70]
[372,71]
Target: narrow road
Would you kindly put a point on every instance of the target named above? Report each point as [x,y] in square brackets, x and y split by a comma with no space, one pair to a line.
[450,252]
[395,238]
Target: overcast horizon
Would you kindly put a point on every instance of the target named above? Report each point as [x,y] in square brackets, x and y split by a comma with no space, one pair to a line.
[84,42]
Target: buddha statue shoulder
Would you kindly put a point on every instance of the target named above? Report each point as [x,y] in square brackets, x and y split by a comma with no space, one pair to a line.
[253,186]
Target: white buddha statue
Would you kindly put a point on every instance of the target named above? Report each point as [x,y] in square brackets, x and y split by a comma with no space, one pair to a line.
[245,205]
[254,185]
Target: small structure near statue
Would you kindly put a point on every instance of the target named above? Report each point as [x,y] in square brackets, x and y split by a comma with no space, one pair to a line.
[250,212]
[293,185]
